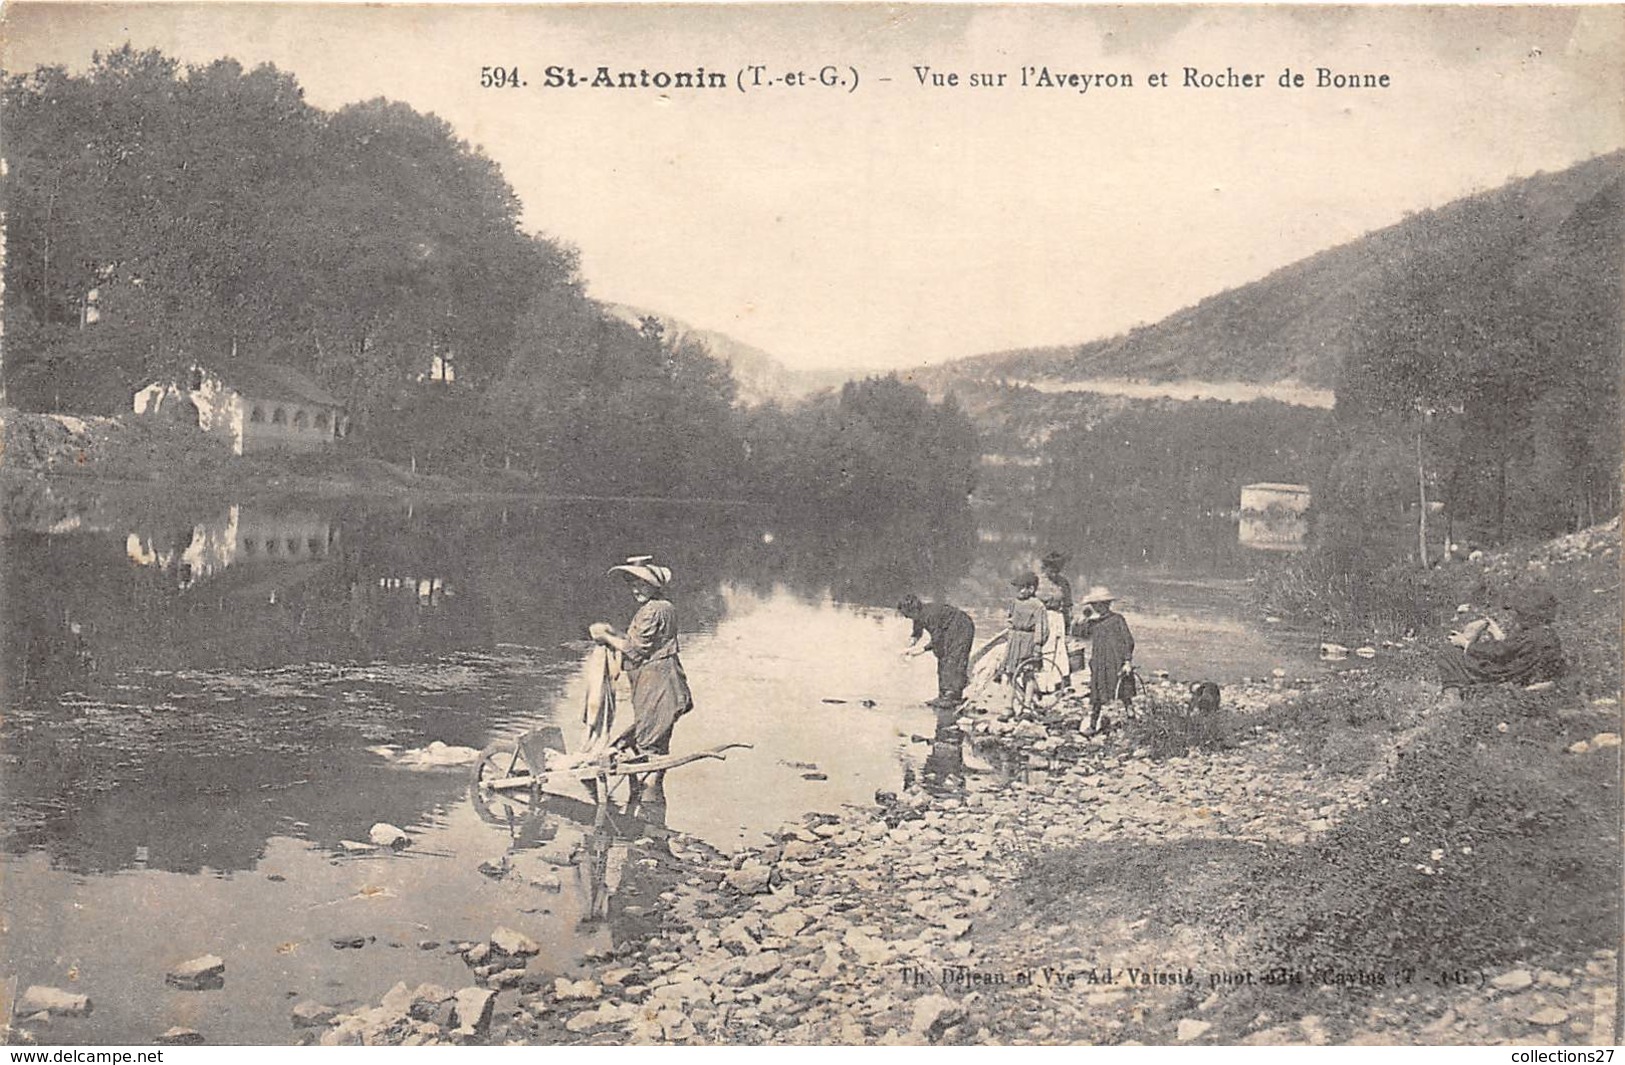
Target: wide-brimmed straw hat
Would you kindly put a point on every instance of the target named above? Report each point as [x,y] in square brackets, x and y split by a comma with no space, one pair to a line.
[643,568]
[1098,594]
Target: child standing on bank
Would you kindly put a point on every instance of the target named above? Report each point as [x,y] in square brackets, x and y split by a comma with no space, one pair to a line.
[1029,630]
[1111,655]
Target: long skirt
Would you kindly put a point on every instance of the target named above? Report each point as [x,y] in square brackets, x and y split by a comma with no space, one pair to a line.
[1019,647]
[1057,668]
[953,661]
[660,696]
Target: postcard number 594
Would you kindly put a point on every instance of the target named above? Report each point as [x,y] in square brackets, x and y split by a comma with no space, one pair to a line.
[500,78]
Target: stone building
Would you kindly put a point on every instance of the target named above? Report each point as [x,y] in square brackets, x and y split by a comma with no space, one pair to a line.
[254,407]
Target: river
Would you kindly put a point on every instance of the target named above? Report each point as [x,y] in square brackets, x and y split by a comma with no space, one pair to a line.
[205,699]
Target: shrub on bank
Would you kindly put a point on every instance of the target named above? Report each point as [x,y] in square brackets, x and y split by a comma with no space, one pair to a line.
[1342,723]
[1391,600]
[1480,847]
[1169,727]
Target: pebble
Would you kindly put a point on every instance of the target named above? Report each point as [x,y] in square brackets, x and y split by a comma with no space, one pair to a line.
[506,941]
[576,990]
[207,973]
[750,879]
[384,834]
[178,1036]
[311,1015]
[1516,980]
[1191,1028]
[471,1008]
[933,1014]
[53,1001]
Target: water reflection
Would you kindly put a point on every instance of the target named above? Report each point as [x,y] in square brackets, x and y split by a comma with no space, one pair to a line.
[1274,532]
[598,852]
[235,535]
[184,679]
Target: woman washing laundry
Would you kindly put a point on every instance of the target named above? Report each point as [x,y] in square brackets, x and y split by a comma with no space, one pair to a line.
[649,656]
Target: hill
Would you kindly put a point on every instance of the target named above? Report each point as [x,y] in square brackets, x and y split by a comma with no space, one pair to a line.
[761,378]
[1298,324]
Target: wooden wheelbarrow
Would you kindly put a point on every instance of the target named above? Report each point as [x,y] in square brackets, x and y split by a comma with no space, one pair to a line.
[516,770]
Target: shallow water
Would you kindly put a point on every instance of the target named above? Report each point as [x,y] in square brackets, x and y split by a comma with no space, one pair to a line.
[201,702]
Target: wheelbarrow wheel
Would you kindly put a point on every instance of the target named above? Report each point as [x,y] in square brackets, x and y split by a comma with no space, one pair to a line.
[503,761]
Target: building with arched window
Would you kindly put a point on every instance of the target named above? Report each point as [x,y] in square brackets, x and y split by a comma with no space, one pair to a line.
[253,406]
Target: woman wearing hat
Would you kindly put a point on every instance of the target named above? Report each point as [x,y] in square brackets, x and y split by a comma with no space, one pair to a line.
[1111,652]
[648,650]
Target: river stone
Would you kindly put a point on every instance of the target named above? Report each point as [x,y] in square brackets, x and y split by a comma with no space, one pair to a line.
[777,900]
[472,1008]
[576,990]
[397,1001]
[207,973]
[180,1037]
[1548,1017]
[53,1001]
[587,1020]
[1516,980]
[797,851]
[739,934]
[506,941]
[761,966]
[503,979]
[1191,1028]
[309,1014]
[385,834]
[751,878]
[644,1032]
[935,1013]
[786,924]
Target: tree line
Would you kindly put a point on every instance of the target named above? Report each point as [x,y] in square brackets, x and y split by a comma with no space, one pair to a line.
[160,215]
[1492,371]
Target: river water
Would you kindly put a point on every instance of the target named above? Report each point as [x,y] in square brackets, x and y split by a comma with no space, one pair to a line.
[205,699]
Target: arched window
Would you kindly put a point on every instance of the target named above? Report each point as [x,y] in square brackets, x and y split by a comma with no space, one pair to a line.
[258,415]
[293,545]
[197,380]
[249,545]
[300,419]
[272,546]
[321,420]
[279,417]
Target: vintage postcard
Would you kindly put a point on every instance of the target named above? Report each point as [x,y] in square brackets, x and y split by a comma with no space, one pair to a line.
[810,524]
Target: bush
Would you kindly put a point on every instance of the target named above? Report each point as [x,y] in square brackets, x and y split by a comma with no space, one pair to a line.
[1481,848]
[1170,728]
[1339,595]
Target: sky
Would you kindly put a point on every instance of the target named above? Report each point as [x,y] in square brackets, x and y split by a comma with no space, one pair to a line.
[899,224]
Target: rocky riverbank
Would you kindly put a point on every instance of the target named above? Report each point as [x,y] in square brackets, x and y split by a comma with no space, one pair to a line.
[928,919]
[1348,860]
